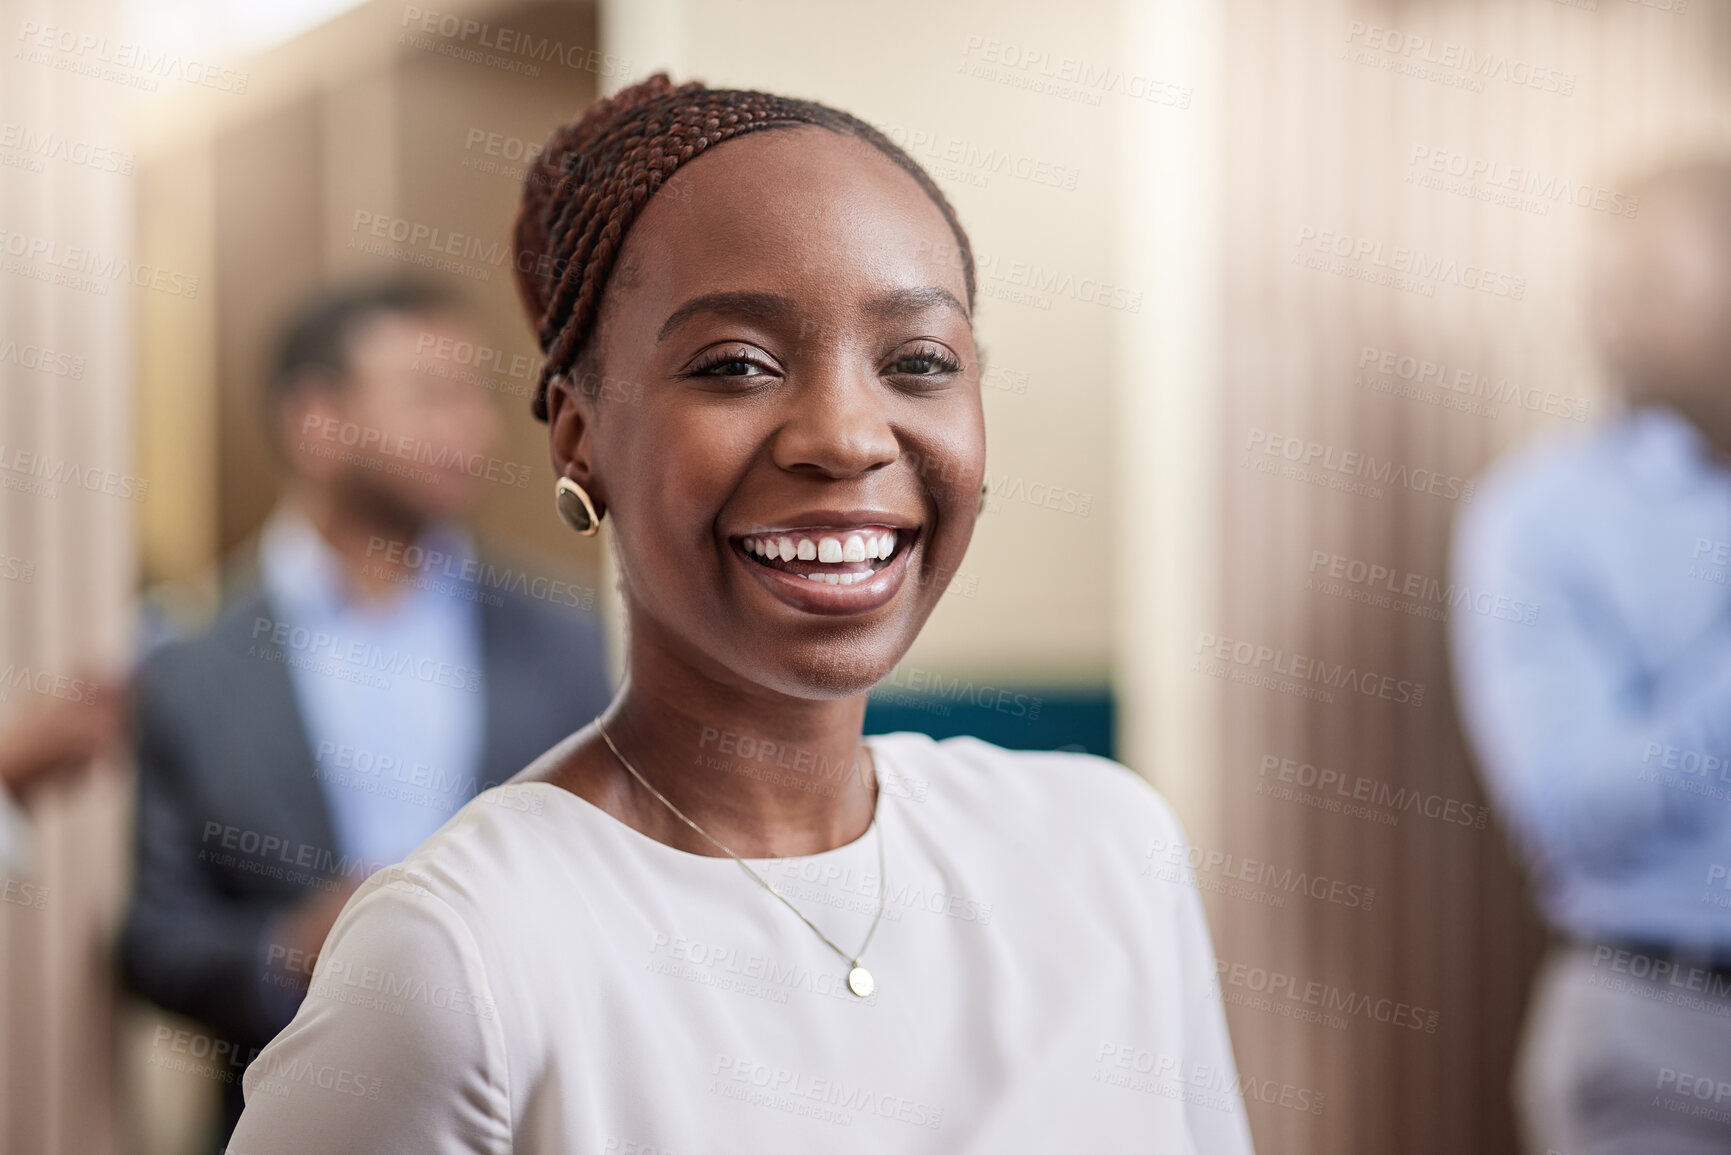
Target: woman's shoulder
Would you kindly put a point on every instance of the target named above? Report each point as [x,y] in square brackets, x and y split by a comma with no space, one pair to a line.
[481,866]
[400,1015]
[1051,788]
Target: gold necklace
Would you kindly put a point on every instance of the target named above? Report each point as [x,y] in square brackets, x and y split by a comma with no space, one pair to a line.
[859,980]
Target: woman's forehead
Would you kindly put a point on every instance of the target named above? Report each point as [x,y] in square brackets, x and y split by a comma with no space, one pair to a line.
[791,207]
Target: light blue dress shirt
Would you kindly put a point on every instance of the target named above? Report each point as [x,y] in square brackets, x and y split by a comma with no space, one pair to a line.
[390,690]
[389,687]
[1603,728]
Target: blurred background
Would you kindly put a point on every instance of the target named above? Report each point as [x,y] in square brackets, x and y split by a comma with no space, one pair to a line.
[1189,218]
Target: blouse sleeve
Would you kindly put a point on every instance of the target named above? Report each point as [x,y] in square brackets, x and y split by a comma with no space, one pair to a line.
[1218,1125]
[398,1046]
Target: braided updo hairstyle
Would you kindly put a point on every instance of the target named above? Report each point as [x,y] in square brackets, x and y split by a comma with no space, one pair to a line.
[586,188]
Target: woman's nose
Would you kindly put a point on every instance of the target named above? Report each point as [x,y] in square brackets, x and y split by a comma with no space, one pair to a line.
[839,425]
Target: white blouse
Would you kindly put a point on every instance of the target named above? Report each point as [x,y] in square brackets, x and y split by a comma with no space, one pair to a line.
[540,978]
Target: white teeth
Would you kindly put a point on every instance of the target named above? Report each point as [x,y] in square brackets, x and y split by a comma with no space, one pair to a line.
[837,579]
[828,549]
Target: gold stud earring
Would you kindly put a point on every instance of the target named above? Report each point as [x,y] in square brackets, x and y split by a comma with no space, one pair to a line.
[575,508]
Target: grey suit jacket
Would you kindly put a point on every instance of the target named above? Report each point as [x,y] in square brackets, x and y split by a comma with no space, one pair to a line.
[232,826]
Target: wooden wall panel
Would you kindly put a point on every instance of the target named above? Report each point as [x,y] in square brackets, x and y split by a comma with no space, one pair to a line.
[63,593]
[1320,139]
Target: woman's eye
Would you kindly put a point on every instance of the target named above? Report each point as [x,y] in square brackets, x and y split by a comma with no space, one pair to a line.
[732,367]
[925,363]
[730,363]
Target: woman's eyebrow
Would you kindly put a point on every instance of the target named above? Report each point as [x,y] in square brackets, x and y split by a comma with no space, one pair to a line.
[770,308]
[899,301]
[763,307]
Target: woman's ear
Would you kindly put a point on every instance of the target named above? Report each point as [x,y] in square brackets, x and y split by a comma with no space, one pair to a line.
[570,421]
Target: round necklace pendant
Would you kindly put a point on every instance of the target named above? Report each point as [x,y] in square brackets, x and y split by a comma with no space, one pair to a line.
[860,982]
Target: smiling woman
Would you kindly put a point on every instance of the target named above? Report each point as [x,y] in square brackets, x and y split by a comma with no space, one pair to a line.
[655,938]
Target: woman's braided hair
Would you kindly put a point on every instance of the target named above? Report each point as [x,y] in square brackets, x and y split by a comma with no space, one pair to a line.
[597,172]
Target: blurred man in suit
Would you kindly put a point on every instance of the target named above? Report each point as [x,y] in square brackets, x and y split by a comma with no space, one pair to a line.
[371,677]
[1604,729]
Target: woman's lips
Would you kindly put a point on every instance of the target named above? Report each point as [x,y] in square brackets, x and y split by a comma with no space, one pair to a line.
[830,571]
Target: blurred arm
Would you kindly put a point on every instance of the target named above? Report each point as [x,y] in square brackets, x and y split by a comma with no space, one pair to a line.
[185,945]
[52,738]
[1565,721]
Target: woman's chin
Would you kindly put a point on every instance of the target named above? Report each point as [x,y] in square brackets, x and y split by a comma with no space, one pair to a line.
[825,678]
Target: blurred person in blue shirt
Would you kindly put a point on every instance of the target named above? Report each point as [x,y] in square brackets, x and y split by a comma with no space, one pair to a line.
[1603,727]
[370,676]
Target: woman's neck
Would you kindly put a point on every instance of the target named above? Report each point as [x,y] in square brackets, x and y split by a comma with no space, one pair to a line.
[766,775]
